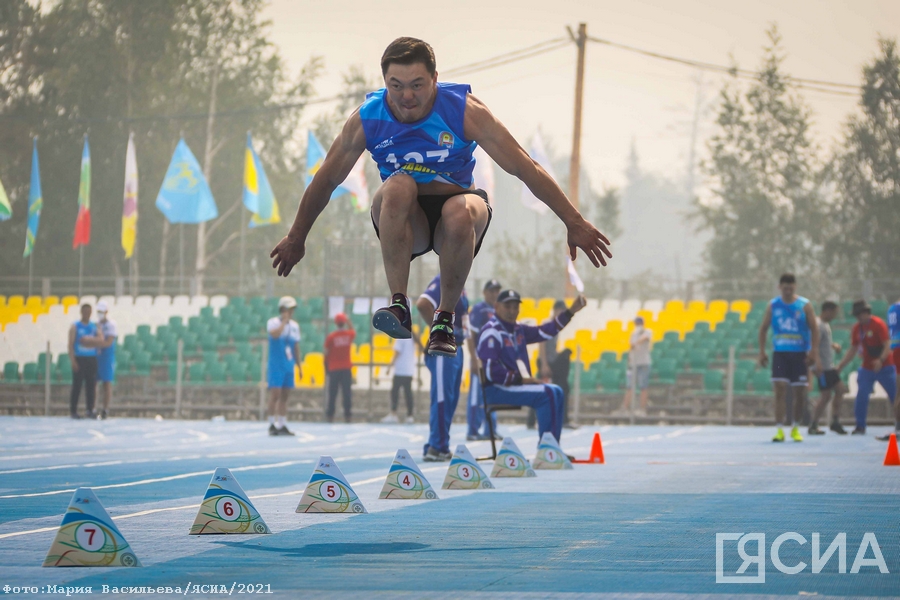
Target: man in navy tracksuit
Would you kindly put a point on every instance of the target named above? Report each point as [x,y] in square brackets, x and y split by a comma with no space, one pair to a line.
[503,348]
[480,314]
[446,372]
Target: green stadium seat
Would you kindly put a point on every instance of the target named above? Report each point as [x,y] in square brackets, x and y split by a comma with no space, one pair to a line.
[713,381]
[217,373]
[191,343]
[879,308]
[11,372]
[697,359]
[741,378]
[64,368]
[762,382]
[209,342]
[238,372]
[240,333]
[173,372]
[142,363]
[610,380]
[588,381]
[254,372]
[197,372]
[30,372]
[176,324]
[143,332]
[207,312]
[671,336]
[665,371]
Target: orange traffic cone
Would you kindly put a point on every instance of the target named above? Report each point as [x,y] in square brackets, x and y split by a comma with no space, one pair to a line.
[892,458]
[596,457]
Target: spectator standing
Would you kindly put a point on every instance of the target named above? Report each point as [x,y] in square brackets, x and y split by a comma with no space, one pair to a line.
[106,356]
[284,354]
[638,375]
[339,367]
[83,339]
[404,365]
[829,378]
[870,340]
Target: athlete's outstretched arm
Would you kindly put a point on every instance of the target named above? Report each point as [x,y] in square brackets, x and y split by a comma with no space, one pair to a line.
[341,157]
[484,128]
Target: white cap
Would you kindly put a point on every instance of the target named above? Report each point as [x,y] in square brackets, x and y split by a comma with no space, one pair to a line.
[102,307]
[286,302]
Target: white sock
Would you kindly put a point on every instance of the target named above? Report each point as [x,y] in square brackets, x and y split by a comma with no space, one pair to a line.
[281,422]
[271,419]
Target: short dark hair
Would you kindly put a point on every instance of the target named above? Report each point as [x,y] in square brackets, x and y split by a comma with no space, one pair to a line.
[787,278]
[829,305]
[408,51]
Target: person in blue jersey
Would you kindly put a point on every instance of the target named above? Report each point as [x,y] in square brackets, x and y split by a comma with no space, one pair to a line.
[480,314]
[503,348]
[422,134]
[106,356]
[795,339]
[446,372]
[284,354]
[84,337]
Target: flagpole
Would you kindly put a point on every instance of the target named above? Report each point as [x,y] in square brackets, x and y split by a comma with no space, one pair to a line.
[241,269]
[30,270]
[180,257]
[80,267]
[575,158]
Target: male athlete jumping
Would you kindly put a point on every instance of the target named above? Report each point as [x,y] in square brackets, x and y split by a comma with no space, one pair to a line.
[422,133]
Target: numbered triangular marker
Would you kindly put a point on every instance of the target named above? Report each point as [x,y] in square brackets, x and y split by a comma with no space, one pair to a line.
[328,491]
[464,473]
[550,455]
[405,481]
[227,509]
[87,537]
[511,462]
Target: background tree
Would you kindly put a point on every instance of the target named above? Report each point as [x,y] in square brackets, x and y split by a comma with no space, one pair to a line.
[766,215]
[866,175]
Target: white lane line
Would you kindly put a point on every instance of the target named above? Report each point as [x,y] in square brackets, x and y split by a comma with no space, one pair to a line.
[201,436]
[152,511]
[98,435]
[36,469]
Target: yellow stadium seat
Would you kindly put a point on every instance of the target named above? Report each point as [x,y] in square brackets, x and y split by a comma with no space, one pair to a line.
[741,306]
[15,302]
[383,356]
[381,340]
[696,306]
[313,370]
[718,307]
[615,325]
[545,309]
[674,306]
[51,301]
[2,301]
[359,354]
[34,301]
[69,301]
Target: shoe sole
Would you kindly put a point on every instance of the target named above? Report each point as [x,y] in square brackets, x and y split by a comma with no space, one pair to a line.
[434,352]
[386,322]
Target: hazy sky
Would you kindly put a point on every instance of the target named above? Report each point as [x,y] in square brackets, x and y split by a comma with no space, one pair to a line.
[626,96]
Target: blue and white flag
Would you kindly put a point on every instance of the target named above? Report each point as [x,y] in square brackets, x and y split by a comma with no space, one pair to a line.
[185,196]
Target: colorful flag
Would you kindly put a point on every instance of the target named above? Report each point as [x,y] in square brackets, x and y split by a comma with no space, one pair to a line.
[5,208]
[539,154]
[129,210]
[185,196]
[484,172]
[355,184]
[35,202]
[258,196]
[83,221]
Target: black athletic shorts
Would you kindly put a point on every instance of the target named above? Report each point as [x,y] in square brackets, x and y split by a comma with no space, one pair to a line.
[433,204]
[790,367]
[828,379]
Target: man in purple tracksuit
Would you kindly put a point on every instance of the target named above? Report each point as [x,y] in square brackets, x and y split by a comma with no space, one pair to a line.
[503,348]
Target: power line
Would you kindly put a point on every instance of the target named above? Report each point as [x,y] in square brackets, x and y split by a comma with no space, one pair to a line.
[509,57]
[818,85]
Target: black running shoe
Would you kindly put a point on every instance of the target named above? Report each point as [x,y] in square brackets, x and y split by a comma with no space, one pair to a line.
[858,431]
[284,431]
[272,429]
[837,428]
[436,456]
[394,320]
[442,342]
[103,415]
[75,416]
[883,438]
[814,430]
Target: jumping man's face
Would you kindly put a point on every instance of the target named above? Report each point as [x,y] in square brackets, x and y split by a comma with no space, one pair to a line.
[411,90]
[508,311]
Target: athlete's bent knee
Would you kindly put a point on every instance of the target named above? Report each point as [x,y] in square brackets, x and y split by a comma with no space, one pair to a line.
[457,220]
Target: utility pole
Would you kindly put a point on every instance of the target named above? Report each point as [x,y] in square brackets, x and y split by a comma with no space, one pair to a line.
[575,159]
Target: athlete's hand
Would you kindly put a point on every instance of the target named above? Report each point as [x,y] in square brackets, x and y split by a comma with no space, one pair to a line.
[579,303]
[877,364]
[582,234]
[289,251]
[763,359]
[74,366]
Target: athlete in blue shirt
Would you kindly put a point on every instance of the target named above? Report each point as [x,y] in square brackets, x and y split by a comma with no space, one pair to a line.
[795,339]
[446,372]
[106,356]
[503,348]
[480,314]
[84,337]
[284,355]
[422,134]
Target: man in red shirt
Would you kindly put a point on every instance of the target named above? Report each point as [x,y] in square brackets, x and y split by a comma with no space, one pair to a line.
[338,365]
[870,340]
